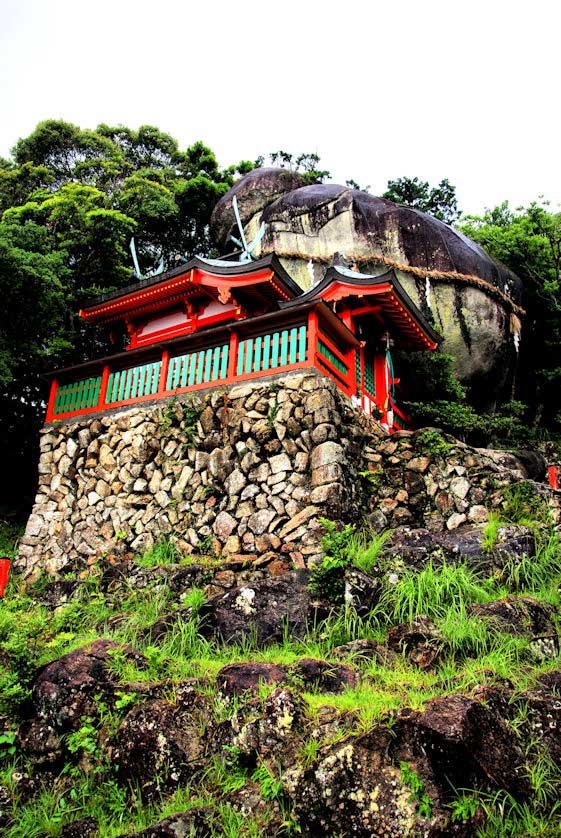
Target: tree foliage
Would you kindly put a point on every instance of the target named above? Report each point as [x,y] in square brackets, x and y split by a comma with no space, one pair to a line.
[70,200]
[439,201]
[528,240]
[306,164]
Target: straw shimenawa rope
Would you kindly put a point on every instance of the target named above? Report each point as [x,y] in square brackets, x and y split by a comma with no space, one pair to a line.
[465,279]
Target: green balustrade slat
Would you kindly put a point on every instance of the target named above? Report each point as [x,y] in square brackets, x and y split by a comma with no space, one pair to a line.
[215,373]
[207,366]
[128,379]
[327,353]
[90,385]
[249,355]
[293,345]
[241,352]
[156,377]
[56,408]
[302,343]
[266,351]
[122,381]
[200,366]
[172,368]
[224,365]
[183,370]
[275,350]
[369,380]
[149,383]
[110,387]
[358,372]
[284,348]
[192,369]
[141,380]
[257,354]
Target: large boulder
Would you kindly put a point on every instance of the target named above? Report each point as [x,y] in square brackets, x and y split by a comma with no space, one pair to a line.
[472,297]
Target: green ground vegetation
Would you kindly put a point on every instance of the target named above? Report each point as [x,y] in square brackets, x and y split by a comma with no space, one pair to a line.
[473,653]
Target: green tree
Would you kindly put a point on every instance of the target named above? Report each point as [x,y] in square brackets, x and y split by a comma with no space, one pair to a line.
[306,164]
[70,200]
[439,201]
[528,240]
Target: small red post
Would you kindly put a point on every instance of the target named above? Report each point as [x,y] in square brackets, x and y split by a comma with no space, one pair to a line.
[4,574]
[103,387]
[233,356]
[162,385]
[312,335]
[52,399]
[553,475]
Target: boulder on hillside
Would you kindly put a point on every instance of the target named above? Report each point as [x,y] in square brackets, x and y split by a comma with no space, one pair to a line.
[362,786]
[160,745]
[325,677]
[264,610]
[64,691]
[240,678]
[419,640]
[195,823]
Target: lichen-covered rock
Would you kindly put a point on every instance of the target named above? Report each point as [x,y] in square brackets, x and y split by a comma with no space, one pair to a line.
[64,691]
[160,745]
[276,734]
[466,742]
[264,610]
[420,640]
[325,677]
[354,789]
[524,615]
[362,590]
[240,678]
[195,823]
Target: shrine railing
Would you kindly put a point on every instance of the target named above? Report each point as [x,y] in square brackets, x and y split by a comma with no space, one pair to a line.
[226,355]
[181,367]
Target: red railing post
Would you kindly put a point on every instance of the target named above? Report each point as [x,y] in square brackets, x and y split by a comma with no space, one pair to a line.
[103,387]
[52,399]
[233,356]
[381,385]
[163,372]
[553,475]
[312,336]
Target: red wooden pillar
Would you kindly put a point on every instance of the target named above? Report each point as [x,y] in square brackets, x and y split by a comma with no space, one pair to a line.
[233,356]
[312,336]
[381,384]
[52,399]
[162,383]
[103,387]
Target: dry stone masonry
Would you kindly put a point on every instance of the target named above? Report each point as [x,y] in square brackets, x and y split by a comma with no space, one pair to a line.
[245,474]
[237,473]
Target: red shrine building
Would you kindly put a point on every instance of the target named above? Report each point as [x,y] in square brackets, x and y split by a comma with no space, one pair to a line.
[211,323]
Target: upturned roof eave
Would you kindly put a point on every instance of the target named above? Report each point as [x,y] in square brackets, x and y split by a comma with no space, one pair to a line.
[210,266]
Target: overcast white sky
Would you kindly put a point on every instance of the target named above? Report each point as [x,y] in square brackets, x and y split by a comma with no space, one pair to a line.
[468,91]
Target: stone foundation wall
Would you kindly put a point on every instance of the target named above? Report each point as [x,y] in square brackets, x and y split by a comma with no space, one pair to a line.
[245,474]
[234,473]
